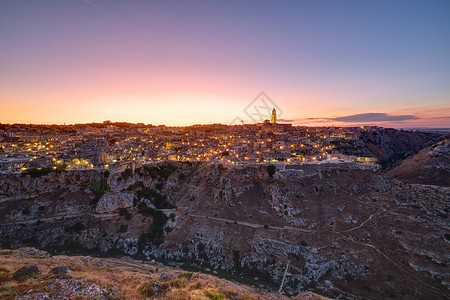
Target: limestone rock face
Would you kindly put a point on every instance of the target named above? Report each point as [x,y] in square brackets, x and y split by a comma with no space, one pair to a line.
[110,202]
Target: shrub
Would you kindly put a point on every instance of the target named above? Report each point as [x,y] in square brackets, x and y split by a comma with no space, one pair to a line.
[181,280]
[77,227]
[99,188]
[304,244]
[366,288]
[200,247]
[271,170]
[237,259]
[182,177]
[155,234]
[199,283]
[348,277]
[123,228]
[150,171]
[187,275]
[266,226]
[154,289]
[165,173]
[214,295]
[38,172]
[124,212]
[178,283]
[159,200]
[159,185]
[128,173]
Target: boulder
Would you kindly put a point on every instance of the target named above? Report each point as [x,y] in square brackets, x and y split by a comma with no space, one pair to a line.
[59,270]
[26,272]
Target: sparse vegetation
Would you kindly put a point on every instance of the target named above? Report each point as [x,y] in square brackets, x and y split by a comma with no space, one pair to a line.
[5,275]
[99,188]
[200,247]
[187,275]
[154,288]
[155,234]
[157,199]
[214,295]
[182,177]
[154,172]
[38,172]
[77,227]
[126,174]
[166,172]
[447,236]
[125,213]
[123,228]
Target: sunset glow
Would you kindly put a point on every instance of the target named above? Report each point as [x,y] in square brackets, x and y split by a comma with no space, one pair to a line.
[178,63]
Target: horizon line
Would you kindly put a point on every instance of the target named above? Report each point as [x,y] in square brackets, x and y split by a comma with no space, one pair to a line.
[209,124]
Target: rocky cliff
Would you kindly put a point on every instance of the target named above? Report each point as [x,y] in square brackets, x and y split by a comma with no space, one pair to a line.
[388,145]
[338,230]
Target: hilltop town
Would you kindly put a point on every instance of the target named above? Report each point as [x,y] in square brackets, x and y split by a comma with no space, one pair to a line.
[34,148]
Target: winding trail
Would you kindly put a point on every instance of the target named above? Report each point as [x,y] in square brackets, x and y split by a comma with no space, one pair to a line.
[394,263]
[252,225]
[58,217]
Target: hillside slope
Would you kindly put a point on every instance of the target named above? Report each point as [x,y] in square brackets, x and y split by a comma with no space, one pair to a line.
[429,166]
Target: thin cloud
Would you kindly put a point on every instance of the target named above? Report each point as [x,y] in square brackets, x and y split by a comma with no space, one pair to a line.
[91,4]
[285,120]
[361,118]
[374,117]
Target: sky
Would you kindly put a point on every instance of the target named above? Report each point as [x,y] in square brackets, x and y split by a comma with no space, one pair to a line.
[320,63]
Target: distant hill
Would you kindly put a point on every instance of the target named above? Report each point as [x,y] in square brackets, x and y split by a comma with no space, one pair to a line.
[389,145]
[430,166]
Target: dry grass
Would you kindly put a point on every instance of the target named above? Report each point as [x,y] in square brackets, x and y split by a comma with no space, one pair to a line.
[134,279]
[5,274]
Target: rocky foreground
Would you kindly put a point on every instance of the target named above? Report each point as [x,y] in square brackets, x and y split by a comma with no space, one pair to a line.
[28,273]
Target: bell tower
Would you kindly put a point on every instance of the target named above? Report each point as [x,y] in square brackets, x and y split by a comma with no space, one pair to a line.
[274,116]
